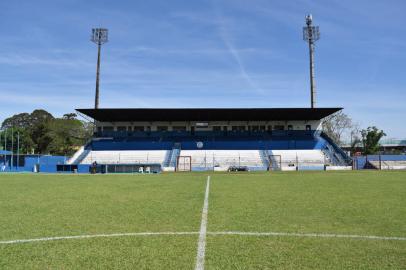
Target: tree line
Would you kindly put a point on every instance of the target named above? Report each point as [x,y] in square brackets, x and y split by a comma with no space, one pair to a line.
[340,126]
[40,132]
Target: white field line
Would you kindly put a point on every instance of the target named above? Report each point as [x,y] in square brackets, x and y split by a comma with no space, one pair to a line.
[318,235]
[95,236]
[201,244]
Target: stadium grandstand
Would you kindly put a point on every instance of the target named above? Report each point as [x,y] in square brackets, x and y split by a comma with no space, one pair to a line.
[210,139]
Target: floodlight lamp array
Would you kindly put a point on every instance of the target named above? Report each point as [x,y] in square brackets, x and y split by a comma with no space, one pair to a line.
[99,35]
[311,33]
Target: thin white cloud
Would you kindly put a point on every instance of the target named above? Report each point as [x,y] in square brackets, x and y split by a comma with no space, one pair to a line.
[234,52]
[189,51]
[25,59]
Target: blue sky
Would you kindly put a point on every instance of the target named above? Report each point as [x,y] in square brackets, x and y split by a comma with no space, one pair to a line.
[231,53]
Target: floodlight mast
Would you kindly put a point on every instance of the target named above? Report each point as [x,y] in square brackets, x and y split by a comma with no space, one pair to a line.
[311,34]
[99,36]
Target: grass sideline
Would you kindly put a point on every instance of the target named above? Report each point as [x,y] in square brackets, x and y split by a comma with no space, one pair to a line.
[356,202]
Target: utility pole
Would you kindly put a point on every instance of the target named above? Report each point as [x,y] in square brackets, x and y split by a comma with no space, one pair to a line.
[311,34]
[5,147]
[99,36]
[18,150]
[5,140]
[12,148]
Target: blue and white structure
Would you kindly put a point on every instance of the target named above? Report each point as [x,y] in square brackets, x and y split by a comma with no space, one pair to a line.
[212,139]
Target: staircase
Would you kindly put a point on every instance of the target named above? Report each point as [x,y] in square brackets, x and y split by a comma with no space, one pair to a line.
[172,156]
[264,158]
[78,156]
[336,155]
[331,159]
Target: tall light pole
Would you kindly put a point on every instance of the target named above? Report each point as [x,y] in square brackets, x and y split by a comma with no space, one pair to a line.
[99,36]
[5,139]
[18,150]
[12,148]
[311,34]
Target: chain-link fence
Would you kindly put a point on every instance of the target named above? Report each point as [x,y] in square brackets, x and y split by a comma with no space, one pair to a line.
[254,160]
[380,162]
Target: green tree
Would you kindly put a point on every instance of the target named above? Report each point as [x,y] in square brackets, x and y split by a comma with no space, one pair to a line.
[66,135]
[18,139]
[27,120]
[41,133]
[33,129]
[70,116]
[40,116]
[370,139]
[21,120]
[41,138]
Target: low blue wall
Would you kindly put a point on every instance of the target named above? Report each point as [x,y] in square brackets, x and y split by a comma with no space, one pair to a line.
[46,164]
[361,161]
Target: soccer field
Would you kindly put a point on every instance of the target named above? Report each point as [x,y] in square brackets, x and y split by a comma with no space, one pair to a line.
[278,220]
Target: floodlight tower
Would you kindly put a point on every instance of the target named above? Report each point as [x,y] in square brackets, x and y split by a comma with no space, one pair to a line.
[99,36]
[311,34]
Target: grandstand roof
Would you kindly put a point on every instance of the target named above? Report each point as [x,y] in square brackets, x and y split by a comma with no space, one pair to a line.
[207,114]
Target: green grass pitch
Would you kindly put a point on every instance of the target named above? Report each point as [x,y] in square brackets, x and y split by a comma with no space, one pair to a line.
[363,203]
